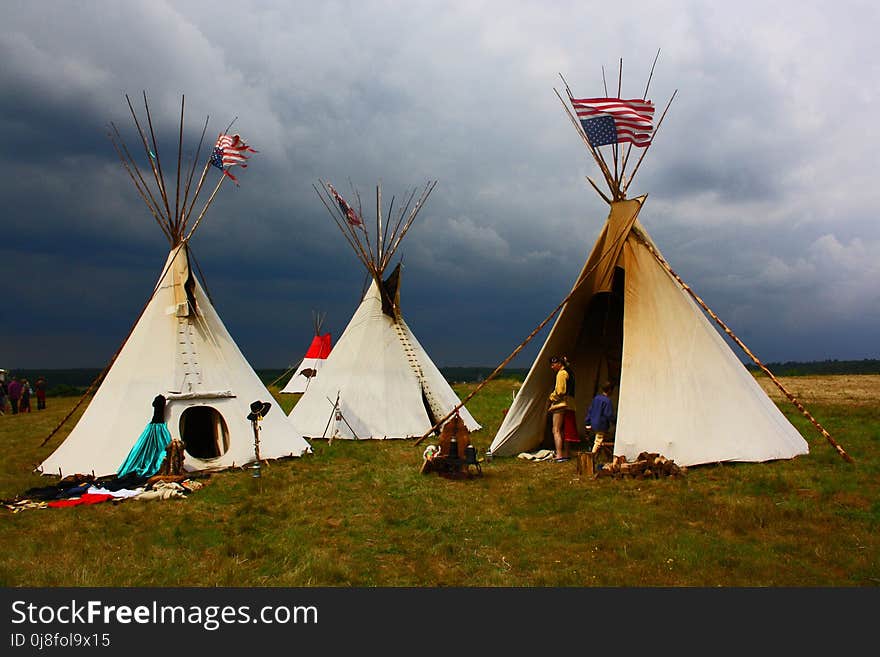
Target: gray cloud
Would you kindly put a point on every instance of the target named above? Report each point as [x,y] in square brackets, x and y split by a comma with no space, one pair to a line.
[759,182]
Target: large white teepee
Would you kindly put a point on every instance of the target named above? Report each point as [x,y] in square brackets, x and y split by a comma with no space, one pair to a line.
[679,390]
[378,381]
[312,362]
[178,348]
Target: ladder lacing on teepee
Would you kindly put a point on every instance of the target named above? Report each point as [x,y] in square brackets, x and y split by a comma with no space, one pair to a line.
[189,358]
[416,367]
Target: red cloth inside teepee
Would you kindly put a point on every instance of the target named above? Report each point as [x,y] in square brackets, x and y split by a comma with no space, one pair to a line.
[569,427]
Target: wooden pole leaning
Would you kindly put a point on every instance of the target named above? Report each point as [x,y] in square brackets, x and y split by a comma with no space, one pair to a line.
[742,346]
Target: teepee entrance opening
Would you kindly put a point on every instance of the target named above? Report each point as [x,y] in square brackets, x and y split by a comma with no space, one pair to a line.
[601,339]
[204,432]
[597,351]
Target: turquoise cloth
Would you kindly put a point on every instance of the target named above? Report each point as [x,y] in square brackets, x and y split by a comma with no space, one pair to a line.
[146,457]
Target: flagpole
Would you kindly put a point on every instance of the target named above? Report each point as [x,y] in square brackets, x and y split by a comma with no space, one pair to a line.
[207,205]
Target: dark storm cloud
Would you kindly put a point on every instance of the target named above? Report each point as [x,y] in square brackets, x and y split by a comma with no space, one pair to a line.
[759,193]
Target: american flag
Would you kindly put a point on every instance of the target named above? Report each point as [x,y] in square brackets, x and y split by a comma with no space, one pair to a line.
[613,120]
[350,215]
[229,151]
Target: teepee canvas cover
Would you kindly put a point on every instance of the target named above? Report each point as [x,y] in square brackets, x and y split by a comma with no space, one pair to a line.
[682,392]
[178,348]
[312,362]
[378,381]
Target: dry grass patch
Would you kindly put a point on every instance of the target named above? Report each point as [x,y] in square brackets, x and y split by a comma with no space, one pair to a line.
[842,389]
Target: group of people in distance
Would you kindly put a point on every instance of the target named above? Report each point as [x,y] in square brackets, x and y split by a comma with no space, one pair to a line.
[15,395]
[562,409]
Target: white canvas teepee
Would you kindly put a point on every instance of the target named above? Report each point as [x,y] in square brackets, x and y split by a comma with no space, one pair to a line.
[178,348]
[378,381]
[314,359]
[679,390]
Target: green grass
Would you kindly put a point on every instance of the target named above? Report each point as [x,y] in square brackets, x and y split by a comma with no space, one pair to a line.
[360,514]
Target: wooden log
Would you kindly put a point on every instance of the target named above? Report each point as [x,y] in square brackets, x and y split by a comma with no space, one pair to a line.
[585,464]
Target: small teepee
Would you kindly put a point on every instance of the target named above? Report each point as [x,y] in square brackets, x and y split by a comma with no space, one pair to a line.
[178,347]
[313,361]
[679,390]
[378,381]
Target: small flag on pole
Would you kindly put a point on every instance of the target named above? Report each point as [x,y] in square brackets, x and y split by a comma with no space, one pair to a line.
[614,120]
[350,215]
[229,151]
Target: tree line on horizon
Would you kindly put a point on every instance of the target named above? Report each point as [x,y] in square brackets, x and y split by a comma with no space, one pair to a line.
[73,381]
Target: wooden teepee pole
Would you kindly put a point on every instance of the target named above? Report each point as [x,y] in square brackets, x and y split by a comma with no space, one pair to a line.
[645,151]
[742,346]
[644,97]
[597,156]
[192,170]
[205,209]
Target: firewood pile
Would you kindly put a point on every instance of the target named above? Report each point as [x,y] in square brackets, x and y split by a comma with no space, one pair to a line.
[646,466]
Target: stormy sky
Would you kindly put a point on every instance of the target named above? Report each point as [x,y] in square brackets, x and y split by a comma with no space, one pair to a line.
[761,182]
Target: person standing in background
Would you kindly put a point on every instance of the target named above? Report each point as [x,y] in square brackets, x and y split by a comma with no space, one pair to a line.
[40,389]
[4,393]
[24,403]
[14,389]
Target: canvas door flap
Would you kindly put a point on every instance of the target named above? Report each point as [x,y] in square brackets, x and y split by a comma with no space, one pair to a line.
[181,283]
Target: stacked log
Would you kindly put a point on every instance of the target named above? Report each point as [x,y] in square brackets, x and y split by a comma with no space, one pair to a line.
[646,466]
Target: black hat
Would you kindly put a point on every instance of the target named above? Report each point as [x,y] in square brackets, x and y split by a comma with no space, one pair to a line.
[258,410]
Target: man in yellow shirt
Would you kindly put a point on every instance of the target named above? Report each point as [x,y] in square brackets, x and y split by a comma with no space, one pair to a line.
[561,403]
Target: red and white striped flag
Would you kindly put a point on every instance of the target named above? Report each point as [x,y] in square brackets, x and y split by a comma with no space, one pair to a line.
[350,215]
[614,120]
[229,151]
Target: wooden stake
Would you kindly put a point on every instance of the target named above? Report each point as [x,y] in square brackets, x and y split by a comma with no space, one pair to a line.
[742,346]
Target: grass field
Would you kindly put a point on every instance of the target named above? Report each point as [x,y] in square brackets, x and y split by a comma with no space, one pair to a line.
[360,514]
